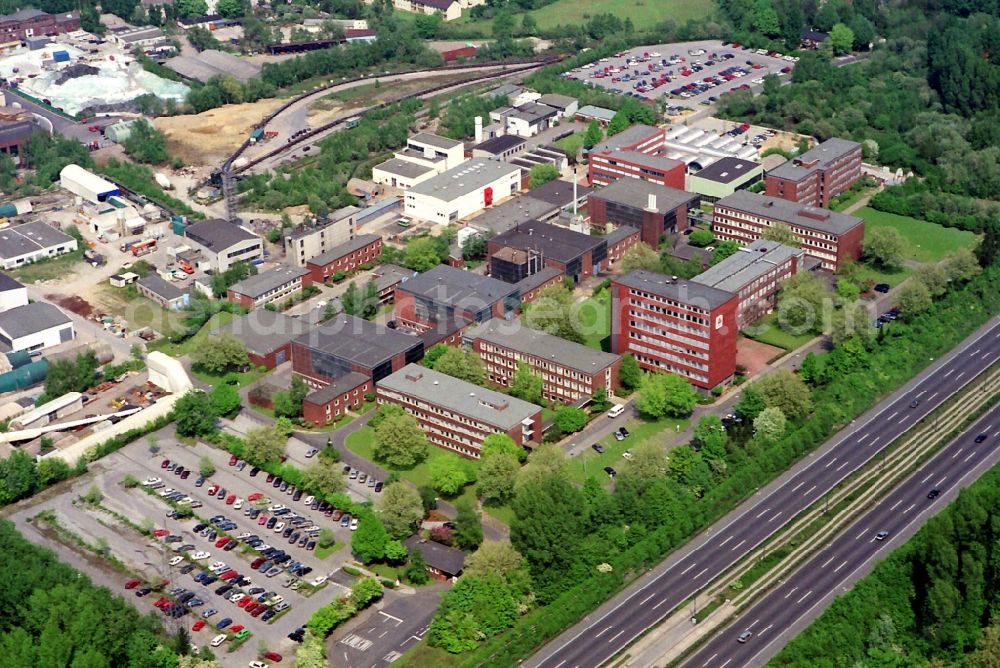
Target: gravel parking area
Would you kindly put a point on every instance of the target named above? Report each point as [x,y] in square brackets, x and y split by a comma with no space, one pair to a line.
[686,74]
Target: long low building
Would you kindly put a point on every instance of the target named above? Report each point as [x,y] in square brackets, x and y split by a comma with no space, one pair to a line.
[268,336]
[457,415]
[347,257]
[35,326]
[462,191]
[570,371]
[832,237]
[269,287]
[30,242]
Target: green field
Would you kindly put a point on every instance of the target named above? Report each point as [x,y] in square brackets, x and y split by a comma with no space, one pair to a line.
[926,242]
[766,330]
[593,317]
[590,463]
[644,13]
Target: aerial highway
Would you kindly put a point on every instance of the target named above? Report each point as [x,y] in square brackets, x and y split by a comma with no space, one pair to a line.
[605,633]
[773,620]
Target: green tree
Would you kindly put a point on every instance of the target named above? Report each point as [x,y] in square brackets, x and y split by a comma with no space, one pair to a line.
[448,474]
[18,477]
[770,424]
[782,234]
[961,266]
[206,467]
[219,354]
[264,444]
[665,395]
[323,478]
[750,404]
[416,568]
[619,123]
[711,434]
[630,373]
[863,31]
[224,399]
[542,174]
[801,302]
[422,254]
[428,25]
[593,136]
[554,312]
[400,509]
[764,19]
[495,480]
[368,543]
[433,354]
[499,444]
[851,321]
[462,363]
[701,237]
[383,411]
[400,442]
[190,8]
[724,249]
[842,39]
[191,417]
[468,527]
[327,538]
[914,298]
[848,290]
[527,384]
[885,247]
[570,419]
[146,144]
[785,390]
[494,558]
[639,256]
[599,401]
[230,9]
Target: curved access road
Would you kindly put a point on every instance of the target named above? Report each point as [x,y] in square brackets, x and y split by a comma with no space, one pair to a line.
[609,630]
[805,594]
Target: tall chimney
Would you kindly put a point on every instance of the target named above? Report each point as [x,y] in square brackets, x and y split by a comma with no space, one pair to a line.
[575,177]
[479,129]
[651,204]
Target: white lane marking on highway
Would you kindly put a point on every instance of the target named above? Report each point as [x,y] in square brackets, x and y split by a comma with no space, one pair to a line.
[959,375]
[896,504]
[976,351]
[710,659]
[825,564]
[806,493]
[603,632]
[643,602]
[615,637]
[912,506]
[863,437]
[830,462]
[893,415]
[938,483]
[560,664]
[934,395]
[842,564]
[737,546]
[701,572]
[776,515]
[796,488]
[687,569]
[957,453]
[725,541]
[728,661]
[996,434]
[842,466]
[804,597]
[762,513]
[861,534]
[986,356]
[659,604]
[793,590]
[971,455]
[875,440]
[753,624]
[922,393]
[395,619]
[926,478]
[950,371]
[765,630]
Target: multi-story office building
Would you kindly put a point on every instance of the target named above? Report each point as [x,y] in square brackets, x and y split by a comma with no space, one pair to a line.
[222,244]
[755,274]
[818,175]
[653,209]
[675,325]
[446,296]
[424,156]
[271,286]
[347,257]
[575,254]
[832,237]
[570,371]
[311,240]
[636,153]
[457,415]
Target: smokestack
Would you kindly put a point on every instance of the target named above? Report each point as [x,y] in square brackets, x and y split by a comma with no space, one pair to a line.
[575,177]
[479,129]
[651,204]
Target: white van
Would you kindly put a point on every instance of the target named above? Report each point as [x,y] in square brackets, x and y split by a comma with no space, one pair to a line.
[218,640]
[616,410]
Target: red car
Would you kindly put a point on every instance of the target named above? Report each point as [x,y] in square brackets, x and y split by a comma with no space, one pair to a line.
[262,520]
[255,564]
[259,611]
[228,575]
[162,602]
[198,625]
[160,533]
[131,584]
[251,606]
[255,496]
[165,463]
[222,541]
[272,656]
[270,477]
[231,499]
[244,602]
[236,628]
[233,459]
[212,490]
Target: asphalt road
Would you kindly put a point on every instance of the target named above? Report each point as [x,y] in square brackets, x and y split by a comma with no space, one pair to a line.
[777,617]
[596,640]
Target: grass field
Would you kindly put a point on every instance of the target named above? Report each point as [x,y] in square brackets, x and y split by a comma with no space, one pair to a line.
[49,268]
[926,242]
[594,319]
[179,349]
[644,13]
[324,552]
[766,330]
[590,463]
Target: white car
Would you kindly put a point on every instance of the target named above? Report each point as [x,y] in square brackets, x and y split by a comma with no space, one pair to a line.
[758,81]
[275,507]
[354,524]
[150,481]
[263,547]
[627,455]
[245,534]
[218,640]
[168,490]
[308,500]
[201,555]
[274,600]
[184,501]
[318,580]
[176,560]
[279,527]
[237,597]
[238,504]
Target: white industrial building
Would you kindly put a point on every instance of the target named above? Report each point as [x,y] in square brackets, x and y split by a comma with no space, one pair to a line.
[462,191]
[30,242]
[34,326]
[222,244]
[527,120]
[12,293]
[425,156]
[87,185]
[699,148]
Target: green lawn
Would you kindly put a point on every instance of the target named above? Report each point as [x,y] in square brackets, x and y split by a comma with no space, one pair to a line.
[503,513]
[866,273]
[926,242]
[766,330]
[644,13]
[180,349]
[590,463]
[324,552]
[49,268]
[593,316]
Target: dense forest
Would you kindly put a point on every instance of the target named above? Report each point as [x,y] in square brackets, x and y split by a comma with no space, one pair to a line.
[927,604]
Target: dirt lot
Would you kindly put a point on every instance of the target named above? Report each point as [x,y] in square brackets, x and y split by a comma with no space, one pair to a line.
[755,355]
[212,135]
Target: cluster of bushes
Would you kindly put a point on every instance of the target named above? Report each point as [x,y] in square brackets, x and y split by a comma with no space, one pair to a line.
[363,593]
[139,179]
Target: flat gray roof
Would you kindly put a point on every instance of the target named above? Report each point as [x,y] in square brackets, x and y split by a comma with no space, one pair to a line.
[387,275]
[681,290]
[403,168]
[31,318]
[337,387]
[519,337]
[559,193]
[499,144]
[8,283]
[155,284]
[260,284]
[727,170]
[540,277]
[747,264]
[552,241]
[645,160]
[464,179]
[456,287]
[800,166]
[508,215]
[628,137]
[265,331]
[619,233]
[533,112]
[792,213]
[597,113]
[636,192]
[487,406]
[434,140]
[556,100]
[337,252]
[363,342]
[30,237]
[217,235]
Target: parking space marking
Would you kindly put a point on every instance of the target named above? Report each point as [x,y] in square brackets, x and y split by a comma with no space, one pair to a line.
[395,619]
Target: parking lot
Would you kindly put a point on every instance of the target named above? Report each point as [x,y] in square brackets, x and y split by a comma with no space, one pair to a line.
[686,74]
[384,635]
[247,572]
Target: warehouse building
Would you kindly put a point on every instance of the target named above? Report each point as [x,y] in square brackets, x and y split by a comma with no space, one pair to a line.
[87,185]
[223,244]
[457,415]
[425,156]
[654,209]
[724,177]
[526,120]
[34,326]
[501,147]
[30,242]
[548,203]
[12,293]
[833,238]
[462,191]
[268,336]
[755,274]
[269,287]
[154,288]
[675,326]
[363,249]
[589,112]
[818,175]
[570,372]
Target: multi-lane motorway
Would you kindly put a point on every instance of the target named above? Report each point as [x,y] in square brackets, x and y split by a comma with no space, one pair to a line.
[775,618]
[600,638]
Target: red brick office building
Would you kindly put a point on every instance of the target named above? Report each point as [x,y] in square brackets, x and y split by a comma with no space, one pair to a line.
[327,404]
[446,296]
[653,209]
[675,326]
[833,238]
[29,22]
[818,175]
[272,286]
[347,257]
[636,153]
